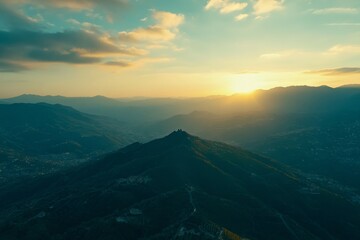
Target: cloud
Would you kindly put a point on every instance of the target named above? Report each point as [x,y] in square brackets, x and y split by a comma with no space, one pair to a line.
[241,17]
[344,24]
[75,47]
[225,6]
[110,8]
[151,33]
[26,42]
[14,19]
[232,7]
[87,26]
[67,40]
[266,6]
[73,4]
[119,63]
[45,55]
[337,71]
[334,11]
[11,67]
[272,56]
[168,19]
[343,49]
[214,4]
[165,29]
[281,55]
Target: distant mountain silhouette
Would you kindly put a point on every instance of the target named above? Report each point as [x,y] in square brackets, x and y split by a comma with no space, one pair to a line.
[297,99]
[32,135]
[350,86]
[177,187]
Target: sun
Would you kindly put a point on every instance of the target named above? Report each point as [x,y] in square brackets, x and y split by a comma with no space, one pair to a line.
[245,83]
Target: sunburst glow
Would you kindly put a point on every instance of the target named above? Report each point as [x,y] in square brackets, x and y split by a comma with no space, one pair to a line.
[245,83]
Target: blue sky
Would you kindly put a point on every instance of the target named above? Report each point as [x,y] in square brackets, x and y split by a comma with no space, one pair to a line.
[122,48]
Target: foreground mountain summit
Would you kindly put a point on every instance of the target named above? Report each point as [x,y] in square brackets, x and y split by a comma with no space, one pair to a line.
[177,187]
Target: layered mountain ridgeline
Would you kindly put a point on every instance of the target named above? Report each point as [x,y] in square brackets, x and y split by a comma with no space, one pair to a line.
[38,138]
[177,187]
[300,99]
[324,143]
[130,111]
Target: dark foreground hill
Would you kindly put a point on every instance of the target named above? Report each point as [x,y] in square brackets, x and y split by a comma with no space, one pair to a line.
[177,187]
[42,136]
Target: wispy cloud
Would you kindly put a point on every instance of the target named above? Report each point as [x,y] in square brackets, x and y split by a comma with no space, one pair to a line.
[227,6]
[241,17]
[73,4]
[336,71]
[344,24]
[343,49]
[334,11]
[151,34]
[232,7]
[109,8]
[7,66]
[15,19]
[165,29]
[119,63]
[266,6]
[281,54]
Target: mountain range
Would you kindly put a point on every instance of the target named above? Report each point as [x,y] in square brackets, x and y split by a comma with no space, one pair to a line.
[38,138]
[298,99]
[313,129]
[177,187]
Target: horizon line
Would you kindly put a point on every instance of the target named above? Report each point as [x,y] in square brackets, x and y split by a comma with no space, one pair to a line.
[181,97]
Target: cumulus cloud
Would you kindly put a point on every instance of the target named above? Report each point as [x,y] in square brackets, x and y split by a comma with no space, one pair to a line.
[24,41]
[77,47]
[266,6]
[168,19]
[225,6]
[165,29]
[334,11]
[337,71]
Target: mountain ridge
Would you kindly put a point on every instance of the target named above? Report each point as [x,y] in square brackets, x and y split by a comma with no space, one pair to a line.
[38,138]
[296,99]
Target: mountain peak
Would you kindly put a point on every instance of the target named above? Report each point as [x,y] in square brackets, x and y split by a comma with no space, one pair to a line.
[179,136]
